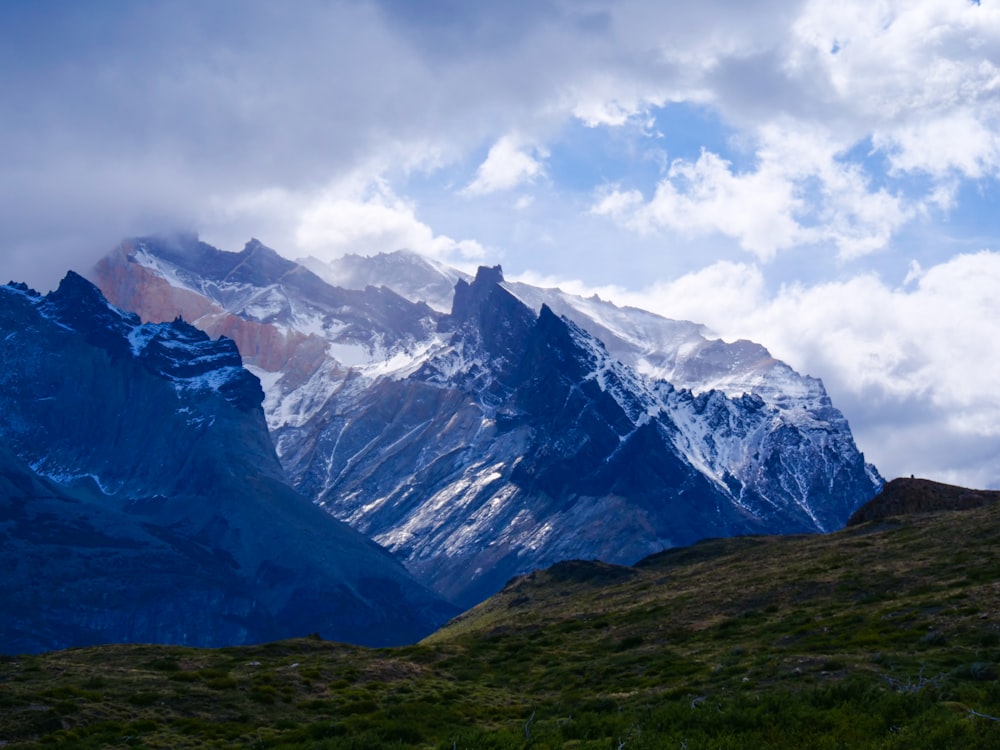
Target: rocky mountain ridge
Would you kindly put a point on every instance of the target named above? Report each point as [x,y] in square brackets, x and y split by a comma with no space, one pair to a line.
[502,436]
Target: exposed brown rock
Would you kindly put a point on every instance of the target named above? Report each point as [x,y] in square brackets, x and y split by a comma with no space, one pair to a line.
[134,287]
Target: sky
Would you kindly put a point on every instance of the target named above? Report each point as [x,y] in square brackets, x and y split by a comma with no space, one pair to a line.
[820,177]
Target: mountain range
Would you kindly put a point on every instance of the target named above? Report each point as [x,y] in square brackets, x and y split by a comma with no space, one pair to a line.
[498,428]
[142,499]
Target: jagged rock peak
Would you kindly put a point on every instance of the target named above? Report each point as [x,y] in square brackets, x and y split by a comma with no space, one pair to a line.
[489,275]
[547,316]
[73,285]
[20,286]
[489,313]
[468,296]
[257,250]
[79,305]
[175,351]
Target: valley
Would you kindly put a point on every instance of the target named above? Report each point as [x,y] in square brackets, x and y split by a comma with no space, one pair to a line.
[883,635]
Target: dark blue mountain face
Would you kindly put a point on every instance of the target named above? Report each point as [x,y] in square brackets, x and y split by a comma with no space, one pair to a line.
[523,443]
[583,441]
[141,498]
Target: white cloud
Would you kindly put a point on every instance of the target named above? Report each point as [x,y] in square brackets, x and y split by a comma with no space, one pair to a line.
[507,165]
[618,204]
[370,221]
[594,111]
[850,215]
[174,93]
[915,80]
[799,193]
[605,100]
[956,142]
[359,214]
[919,76]
[926,339]
[756,208]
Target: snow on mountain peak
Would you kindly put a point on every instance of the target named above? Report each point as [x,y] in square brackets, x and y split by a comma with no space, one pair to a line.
[411,275]
[480,427]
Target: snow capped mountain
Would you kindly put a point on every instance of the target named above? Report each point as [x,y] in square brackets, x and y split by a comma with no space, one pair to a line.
[144,500]
[524,427]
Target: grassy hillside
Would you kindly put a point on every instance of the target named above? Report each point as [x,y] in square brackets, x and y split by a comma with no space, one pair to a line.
[907,496]
[886,634]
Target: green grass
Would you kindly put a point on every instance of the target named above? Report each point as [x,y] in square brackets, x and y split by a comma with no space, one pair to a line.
[885,635]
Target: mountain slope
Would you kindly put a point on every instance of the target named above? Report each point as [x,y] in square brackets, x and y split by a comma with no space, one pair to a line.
[752,583]
[503,437]
[523,442]
[144,500]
